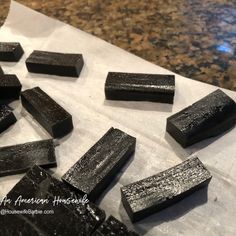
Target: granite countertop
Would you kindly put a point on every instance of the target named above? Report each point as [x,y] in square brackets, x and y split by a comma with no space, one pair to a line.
[196,39]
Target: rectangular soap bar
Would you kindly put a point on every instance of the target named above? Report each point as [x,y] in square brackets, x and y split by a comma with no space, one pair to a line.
[112,226]
[210,116]
[67,219]
[140,87]
[55,119]
[53,63]
[100,164]
[11,52]
[7,118]
[154,193]
[10,87]
[19,158]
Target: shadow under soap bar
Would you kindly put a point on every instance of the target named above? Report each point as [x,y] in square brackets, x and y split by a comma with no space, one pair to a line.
[20,158]
[55,119]
[140,87]
[209,117]
[53,63]
[157,192]
[98,167]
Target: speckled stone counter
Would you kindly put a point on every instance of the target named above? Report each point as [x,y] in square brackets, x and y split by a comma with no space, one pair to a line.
[196,39]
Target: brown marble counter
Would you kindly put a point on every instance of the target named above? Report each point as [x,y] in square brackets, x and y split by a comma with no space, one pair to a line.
[194,38]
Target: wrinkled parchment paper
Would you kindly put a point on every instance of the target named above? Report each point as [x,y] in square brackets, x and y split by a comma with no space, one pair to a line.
[201,213]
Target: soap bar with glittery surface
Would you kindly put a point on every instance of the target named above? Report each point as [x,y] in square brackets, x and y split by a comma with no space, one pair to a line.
[7,118]
[10,87]
[53,63]
[68,218]
[209,117]
[154,193]
[96,169]
[55,119]
[20,158]
[11,52]
[111,227]
[140,87]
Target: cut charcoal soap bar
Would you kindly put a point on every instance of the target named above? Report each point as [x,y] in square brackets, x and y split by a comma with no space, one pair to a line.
[112,226]
[67,219]
[154,193]
[7,118]
[210,116]
[10,87]
[53,63]
[55,119]
[140,87]
[11,225]
[20,158]
[96,169]
[11,52]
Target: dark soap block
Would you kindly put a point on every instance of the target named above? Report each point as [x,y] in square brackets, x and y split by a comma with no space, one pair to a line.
[157,192]
[68,219]
[11,52]
[140,87]
[7,118]
[96,169]
[20,158]
[55,63]
[10,87]
[1,71]
[111,227]
[55,119]
[12,225]
[209,117]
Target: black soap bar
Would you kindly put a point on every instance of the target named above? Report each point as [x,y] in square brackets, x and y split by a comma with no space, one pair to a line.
[96,169]
[11,52]
[48,193]
[209,117]
[1,71]
[140,87]
[13,224]
[112,226]
[152,194]
[55,63]
[10,87]
[20,158]
[7,118]
[55,119]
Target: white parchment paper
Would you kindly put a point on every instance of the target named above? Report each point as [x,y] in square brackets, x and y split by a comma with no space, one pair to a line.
[201,213]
